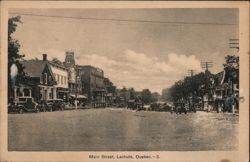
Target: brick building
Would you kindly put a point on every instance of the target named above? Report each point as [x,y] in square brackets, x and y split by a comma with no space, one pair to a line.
[92,79]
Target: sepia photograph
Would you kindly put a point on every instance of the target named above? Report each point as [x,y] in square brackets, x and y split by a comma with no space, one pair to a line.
[124,79]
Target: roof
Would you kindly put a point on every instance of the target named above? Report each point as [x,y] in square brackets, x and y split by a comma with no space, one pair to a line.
[219,77]
[34,68]
[57,65]
[89,67]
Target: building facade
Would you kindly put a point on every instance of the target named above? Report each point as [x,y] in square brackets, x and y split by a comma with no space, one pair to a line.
[110,92]
[92,79]
[60,73]
[74,79]
[40,79]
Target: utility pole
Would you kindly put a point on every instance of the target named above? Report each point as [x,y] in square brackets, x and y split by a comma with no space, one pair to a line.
[234,43]
[191,72]
[206,65]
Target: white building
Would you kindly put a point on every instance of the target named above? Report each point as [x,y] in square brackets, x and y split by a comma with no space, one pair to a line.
[61,76]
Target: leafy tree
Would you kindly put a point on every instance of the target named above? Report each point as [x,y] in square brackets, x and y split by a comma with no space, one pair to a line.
[56,61]
[14,55]
[146,96]
[132,94]
[125,94]
[232,67]
[166,94]
[194,86]
[155,97]
[232,62]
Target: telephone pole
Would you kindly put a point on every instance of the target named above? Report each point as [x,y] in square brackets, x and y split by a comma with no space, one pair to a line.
[234,43]
[191,72]
[206,65]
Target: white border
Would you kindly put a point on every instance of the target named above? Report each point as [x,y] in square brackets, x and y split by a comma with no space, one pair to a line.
[174,156]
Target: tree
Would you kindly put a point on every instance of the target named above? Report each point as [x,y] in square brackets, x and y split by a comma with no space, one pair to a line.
[232,62]
[125,94]
[192,86]
[14,55]
[232,67]
[146,96]
[155,97]
[56,61]
[132,94]
[166,94]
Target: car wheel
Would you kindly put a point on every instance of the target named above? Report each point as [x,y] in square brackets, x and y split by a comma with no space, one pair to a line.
[37,110]
[20,111]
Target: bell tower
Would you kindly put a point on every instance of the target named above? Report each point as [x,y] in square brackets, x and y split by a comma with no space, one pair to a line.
[69,59]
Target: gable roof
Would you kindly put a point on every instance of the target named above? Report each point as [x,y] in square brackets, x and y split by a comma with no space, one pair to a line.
[219,77]
[34,68]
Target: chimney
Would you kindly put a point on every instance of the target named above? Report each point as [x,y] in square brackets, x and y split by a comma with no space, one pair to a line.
[44,57]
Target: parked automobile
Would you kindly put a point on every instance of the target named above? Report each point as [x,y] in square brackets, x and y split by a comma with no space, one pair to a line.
[55,104]
[135,105]
[23,104]
[44,106]
[147,107]
[180,108]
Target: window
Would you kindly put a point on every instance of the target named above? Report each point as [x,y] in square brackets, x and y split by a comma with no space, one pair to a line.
[58,79]
[62,80]
[41,79]
[45,78]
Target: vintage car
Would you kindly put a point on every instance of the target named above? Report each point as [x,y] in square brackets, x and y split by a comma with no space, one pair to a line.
[23,104]
[44,106]
[180,108]
[135,105]
[147,107]
[55,104]
[160,106]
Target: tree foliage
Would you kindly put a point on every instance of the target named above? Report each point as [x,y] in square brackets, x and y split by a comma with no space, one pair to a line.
[200,84]
[14,55]
[232,62]
[146,96]
[191,86]
[231,67]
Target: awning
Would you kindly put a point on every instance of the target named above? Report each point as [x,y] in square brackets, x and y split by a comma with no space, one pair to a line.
[60,89]
[109,95]
[78,96]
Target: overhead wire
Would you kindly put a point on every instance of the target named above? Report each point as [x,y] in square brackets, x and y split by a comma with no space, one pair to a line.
[129,20]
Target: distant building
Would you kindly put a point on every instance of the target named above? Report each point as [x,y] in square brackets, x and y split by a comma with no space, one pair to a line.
[227,84]
[93,82]
[110,92]
[74,80]
[69,59]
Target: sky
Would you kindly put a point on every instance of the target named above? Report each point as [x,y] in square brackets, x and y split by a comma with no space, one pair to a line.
[132,54]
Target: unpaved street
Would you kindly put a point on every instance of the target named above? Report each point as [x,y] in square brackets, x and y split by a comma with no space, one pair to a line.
[114,129]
